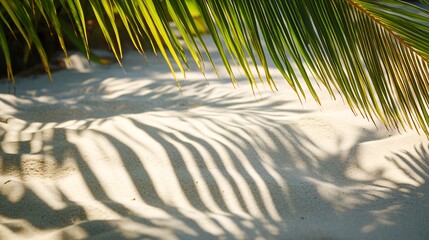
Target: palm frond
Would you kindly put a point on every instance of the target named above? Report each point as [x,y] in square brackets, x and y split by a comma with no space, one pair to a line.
[375,53]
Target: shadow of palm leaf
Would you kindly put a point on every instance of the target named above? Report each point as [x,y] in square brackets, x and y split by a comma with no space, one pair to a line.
[134,158]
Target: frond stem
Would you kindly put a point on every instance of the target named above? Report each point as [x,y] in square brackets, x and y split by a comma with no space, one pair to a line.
[384,26]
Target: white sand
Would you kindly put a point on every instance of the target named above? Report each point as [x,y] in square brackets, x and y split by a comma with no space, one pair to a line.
[106,155]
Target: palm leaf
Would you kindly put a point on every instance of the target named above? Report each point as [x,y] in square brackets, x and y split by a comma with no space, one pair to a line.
[20,17]
[77,14]
[374,53]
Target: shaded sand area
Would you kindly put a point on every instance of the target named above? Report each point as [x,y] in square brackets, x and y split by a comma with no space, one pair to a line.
[105,155]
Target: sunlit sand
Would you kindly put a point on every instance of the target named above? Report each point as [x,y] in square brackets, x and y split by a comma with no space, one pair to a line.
[111,155]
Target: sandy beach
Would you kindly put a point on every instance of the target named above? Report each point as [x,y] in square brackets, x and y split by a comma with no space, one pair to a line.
[103,154]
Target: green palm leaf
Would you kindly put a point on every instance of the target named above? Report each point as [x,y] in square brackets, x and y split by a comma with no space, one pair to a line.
[375,53]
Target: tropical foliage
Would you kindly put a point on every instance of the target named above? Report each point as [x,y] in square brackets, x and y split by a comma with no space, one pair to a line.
[375,53]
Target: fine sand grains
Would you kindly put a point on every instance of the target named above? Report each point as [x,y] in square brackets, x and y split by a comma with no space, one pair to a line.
[106,155]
